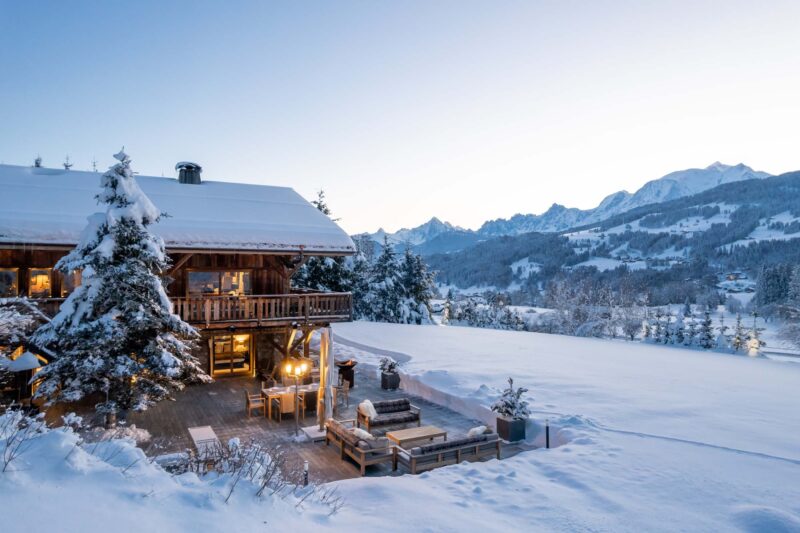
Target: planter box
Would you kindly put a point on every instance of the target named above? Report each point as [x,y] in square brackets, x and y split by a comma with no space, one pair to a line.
[511,429]
[390,381]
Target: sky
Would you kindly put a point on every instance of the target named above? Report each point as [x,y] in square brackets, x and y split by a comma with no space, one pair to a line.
[405,110]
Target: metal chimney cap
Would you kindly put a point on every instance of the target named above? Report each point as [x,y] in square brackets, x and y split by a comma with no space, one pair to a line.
[188,165]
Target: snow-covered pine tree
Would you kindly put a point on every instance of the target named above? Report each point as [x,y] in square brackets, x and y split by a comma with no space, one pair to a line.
[417,289]
[739,339]
[447,310]
[791,310]
[687,308]
[690,337]
[116,333]
[754,343]
[706,335]
[658,328]
[385,287]
[324,273]
[678,330]
[722,342]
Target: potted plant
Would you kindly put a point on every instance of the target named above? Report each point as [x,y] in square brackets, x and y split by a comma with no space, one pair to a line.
[512,412]
[390,378]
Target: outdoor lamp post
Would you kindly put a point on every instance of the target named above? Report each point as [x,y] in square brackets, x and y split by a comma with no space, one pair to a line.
[296,370]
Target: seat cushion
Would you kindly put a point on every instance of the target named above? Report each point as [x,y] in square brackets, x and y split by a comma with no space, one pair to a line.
[395,418]
[451,444]
[393,406]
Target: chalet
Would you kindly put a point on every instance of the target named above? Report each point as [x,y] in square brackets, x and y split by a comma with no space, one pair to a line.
[234,248]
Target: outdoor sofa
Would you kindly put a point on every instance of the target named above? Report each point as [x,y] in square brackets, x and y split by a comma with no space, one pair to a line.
[363,452]
[430,456]
[390,413]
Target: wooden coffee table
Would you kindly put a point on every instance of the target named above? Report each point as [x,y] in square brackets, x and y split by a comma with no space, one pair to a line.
[403,437]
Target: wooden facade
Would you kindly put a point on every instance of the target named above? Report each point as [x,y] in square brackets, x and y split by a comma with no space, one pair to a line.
[242,303]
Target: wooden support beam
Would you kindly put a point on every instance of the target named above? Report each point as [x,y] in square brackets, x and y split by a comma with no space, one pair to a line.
[182,261]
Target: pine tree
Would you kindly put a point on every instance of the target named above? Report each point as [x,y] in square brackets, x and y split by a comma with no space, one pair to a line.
[416,289]
[722,337]
[116,333]
[706,338]
[324,273]
[690,338]
[754,343]
[687,308]
[447,311]
[679,330]
[385,286]
[739,336]
[658,334]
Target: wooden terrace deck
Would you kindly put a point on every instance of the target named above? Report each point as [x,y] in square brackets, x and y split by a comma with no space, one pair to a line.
[221,405]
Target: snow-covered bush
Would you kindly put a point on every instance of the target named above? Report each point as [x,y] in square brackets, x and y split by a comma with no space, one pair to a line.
[116,334]
[511,403]
[495,315]
[17,432]
[388,365]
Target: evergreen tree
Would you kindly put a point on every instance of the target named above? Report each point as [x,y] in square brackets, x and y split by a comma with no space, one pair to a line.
[706,336]
[687,308]
[323,273]
[739,336]
[116,333]
[417,289]
[679,330]
[447,311]
[690,338]
[754,343]
[722,337]
[658,330]
[385,286]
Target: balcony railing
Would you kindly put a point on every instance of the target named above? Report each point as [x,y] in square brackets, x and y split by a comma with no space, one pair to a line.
[265,309]
[256,309]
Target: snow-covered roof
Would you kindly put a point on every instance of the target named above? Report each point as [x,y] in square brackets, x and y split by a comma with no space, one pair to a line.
[50,206]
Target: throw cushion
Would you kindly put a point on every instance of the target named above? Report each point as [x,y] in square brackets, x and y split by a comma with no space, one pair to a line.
[474,432]
[367,409]
[363,435]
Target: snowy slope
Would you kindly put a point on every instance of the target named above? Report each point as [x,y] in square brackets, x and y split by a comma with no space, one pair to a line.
[647,439]
[659,438]
[50,206]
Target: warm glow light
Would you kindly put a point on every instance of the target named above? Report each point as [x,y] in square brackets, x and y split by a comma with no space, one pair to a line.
[288,368]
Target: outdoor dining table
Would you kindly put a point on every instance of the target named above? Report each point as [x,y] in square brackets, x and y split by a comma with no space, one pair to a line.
[277,392]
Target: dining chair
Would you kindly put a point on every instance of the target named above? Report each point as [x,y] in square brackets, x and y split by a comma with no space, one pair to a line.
[284,405]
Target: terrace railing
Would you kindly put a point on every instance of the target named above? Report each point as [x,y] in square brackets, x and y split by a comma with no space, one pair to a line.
[257,309]
[265,309]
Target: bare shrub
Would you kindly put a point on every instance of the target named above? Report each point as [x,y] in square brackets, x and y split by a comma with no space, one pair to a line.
[17,433]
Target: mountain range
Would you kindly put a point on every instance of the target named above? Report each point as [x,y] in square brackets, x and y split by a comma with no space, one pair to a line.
[436,236]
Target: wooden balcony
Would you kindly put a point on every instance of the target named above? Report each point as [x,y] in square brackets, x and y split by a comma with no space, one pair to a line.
[263,310]
[251,310]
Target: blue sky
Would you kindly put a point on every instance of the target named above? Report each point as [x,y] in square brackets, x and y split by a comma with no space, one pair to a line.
[405,110]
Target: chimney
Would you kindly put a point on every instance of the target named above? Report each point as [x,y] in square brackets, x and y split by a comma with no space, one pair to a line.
[188,172]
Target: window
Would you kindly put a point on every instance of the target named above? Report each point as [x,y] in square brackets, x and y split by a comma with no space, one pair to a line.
[69,282]
[39,282]
[9,282]
[235,283]
[231,354]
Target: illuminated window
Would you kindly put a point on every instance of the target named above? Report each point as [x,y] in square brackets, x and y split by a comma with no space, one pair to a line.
[236,283]
[231,354]
[39,282]
[9,282]
[69,282]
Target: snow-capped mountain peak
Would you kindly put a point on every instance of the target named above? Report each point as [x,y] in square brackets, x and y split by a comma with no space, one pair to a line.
[417,235]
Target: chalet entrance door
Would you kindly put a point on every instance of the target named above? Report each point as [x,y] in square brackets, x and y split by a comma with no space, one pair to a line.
[232,355]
